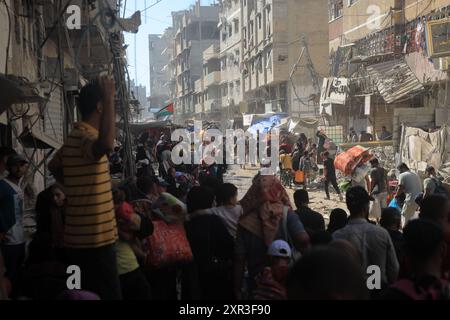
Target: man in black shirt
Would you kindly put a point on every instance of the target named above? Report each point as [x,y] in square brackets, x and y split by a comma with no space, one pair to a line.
[377,188]
[423,279]
[312,221]
[391,220]
[329,174]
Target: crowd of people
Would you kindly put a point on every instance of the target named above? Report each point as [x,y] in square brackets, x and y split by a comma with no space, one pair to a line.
[365,136]
[180,232]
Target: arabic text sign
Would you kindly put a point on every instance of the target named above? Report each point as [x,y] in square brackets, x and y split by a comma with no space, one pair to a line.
[334,91]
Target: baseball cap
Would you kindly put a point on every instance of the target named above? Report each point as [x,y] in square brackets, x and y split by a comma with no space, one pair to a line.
[15,159]
[279,248]
[357,195]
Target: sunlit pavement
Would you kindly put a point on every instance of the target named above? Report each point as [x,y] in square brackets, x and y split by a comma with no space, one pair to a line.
[242,178]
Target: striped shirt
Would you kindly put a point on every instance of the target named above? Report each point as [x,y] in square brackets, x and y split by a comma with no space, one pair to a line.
[90,220]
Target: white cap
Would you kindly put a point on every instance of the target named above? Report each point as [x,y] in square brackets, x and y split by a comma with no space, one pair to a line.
[279,248]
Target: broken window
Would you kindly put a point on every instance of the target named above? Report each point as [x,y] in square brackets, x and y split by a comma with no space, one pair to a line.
[335,8]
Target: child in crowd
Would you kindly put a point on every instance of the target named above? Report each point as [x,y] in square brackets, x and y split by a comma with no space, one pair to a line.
[270,285]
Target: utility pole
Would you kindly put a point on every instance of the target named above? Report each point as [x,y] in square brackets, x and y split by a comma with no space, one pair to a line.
[124,103]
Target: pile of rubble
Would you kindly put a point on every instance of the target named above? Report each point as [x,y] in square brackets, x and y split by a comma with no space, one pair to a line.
[385,155]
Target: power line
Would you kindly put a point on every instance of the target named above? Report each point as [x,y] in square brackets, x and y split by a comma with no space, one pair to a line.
[152,18]
[55,24]
[150,6]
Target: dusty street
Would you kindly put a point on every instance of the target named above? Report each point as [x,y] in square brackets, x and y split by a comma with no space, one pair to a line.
[243,179]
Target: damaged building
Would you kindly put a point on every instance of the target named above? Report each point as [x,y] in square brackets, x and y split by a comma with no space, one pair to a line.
[388,69]
[43,65]
[195,31]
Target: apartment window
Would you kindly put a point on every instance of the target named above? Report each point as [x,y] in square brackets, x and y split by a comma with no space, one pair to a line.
[224,90]
[245,3]
[231,89]
[351,2]
[269,59]
[259,22]
[260,64]
[224,63]
[230,31]
[238,87]
[335,8]
[224,35]
[236,26]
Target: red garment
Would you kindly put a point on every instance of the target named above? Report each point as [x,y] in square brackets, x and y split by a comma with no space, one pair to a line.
[125,211]
[286,147]
[267,288]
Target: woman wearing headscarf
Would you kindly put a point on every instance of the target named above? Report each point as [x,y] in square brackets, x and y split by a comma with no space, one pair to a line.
[268,216]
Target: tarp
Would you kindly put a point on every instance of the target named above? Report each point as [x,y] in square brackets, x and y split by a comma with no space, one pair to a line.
[420,148]
[265,125]
[268,117]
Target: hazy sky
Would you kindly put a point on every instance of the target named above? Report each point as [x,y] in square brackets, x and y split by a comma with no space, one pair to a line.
[154,21]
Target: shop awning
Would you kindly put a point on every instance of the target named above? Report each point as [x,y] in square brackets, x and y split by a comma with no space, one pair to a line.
[34,138]
[395,80]
[137,128]
[16,90]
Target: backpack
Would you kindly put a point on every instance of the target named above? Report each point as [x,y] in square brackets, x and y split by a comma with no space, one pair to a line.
[440,189]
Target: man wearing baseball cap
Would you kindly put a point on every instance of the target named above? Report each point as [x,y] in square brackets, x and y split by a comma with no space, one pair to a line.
[372,242]
[270,285]
[12,236]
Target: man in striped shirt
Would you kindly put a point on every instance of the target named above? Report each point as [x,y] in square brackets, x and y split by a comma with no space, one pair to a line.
[81,165]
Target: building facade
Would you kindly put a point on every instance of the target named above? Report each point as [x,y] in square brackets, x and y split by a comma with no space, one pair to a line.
[382,52]
[42,68]
[160,54]
[195,31]
[139,101]
[284,55]
[230,55]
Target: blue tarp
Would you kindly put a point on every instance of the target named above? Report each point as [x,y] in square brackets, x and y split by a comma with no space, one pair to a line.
[265,125]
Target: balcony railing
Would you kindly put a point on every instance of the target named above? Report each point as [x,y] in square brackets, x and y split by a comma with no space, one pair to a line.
[213,105]
[212,78]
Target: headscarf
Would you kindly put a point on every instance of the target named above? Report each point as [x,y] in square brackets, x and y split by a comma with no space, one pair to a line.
[263,207]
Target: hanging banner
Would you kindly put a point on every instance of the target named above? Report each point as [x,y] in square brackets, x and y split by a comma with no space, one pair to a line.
[247,119]
[438,38]
[334,91]
[367,106]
